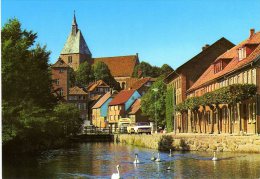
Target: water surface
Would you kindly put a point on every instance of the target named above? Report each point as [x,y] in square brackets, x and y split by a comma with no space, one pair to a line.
[99,160]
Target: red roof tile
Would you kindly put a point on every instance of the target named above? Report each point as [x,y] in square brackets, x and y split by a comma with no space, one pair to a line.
[122,97]
[120,66]
[135,106]
[234,63]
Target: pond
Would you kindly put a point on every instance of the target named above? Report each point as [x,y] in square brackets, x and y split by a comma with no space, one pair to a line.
[99,160]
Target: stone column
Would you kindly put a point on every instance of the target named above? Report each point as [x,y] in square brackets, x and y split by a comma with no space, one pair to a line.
[239,116]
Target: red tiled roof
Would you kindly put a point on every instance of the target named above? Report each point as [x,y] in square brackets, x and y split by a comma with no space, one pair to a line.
[196,59]
[94,85]
[120,66]
[60,63]
[234,63]
[138,84]
[122,97]
[77,91]
[135,106]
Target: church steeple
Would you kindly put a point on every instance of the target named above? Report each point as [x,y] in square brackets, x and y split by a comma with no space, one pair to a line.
[74,25]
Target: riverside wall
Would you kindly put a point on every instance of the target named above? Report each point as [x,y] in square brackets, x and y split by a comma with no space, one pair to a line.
[193,142]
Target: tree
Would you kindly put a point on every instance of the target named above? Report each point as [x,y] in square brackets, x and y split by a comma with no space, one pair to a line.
[68,116]
[25,74]
[144,69]
[101,71]
[154,102]
[83,74]
[166,69]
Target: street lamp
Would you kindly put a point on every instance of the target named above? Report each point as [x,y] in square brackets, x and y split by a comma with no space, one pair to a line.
[155,90]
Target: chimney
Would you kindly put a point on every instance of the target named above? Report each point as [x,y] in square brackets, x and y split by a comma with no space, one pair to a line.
[252,32]
[205,46]
[137,55]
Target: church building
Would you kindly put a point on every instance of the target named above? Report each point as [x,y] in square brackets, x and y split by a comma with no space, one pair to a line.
[76,51]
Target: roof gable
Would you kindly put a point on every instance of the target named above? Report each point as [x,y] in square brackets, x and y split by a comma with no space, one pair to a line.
[60,64]
[77,91]
[222,42]
[94,85]
[233,65]
[120,66]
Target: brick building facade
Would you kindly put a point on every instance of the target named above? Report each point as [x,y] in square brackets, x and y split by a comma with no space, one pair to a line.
[186,75]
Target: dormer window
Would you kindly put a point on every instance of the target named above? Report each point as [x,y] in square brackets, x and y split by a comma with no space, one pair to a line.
[69,59]
[241,53]
[218,67]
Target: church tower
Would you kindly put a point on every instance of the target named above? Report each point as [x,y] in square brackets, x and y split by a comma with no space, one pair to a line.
[75,50]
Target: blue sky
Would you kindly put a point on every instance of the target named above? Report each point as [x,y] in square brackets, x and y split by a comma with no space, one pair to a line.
[161,31]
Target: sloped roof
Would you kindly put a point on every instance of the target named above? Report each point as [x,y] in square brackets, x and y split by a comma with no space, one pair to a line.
[222,41]
[60,64]
[120,66]
[122,97]
[94,85]
[234,63]
[76,44]
[102,100]
[135,107]
[77,91]
[138,84]
[130,82]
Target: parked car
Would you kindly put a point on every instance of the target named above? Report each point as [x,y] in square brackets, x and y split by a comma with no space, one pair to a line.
[139,128]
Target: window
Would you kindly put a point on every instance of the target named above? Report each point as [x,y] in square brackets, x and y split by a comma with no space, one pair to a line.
[241,53]
[57,81]
[61,70]
[69,59]
[61,92]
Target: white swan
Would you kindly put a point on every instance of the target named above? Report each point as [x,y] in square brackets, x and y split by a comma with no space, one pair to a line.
[214,158]
[158,158]
[116,175]
[170,155]
[168,168]
[136,159]
[153,158]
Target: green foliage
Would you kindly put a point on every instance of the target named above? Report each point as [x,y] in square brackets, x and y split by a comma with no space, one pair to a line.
[166,69]
[84,74]
[25,74]
[68,115]
[101,71]
[28,121]
[226,95]
[152,100]
[144,69]
[169,109]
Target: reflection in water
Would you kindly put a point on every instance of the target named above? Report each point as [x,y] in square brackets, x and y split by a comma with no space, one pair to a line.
[99,160]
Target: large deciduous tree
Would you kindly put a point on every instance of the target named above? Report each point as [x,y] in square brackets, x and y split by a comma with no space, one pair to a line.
[153,102]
